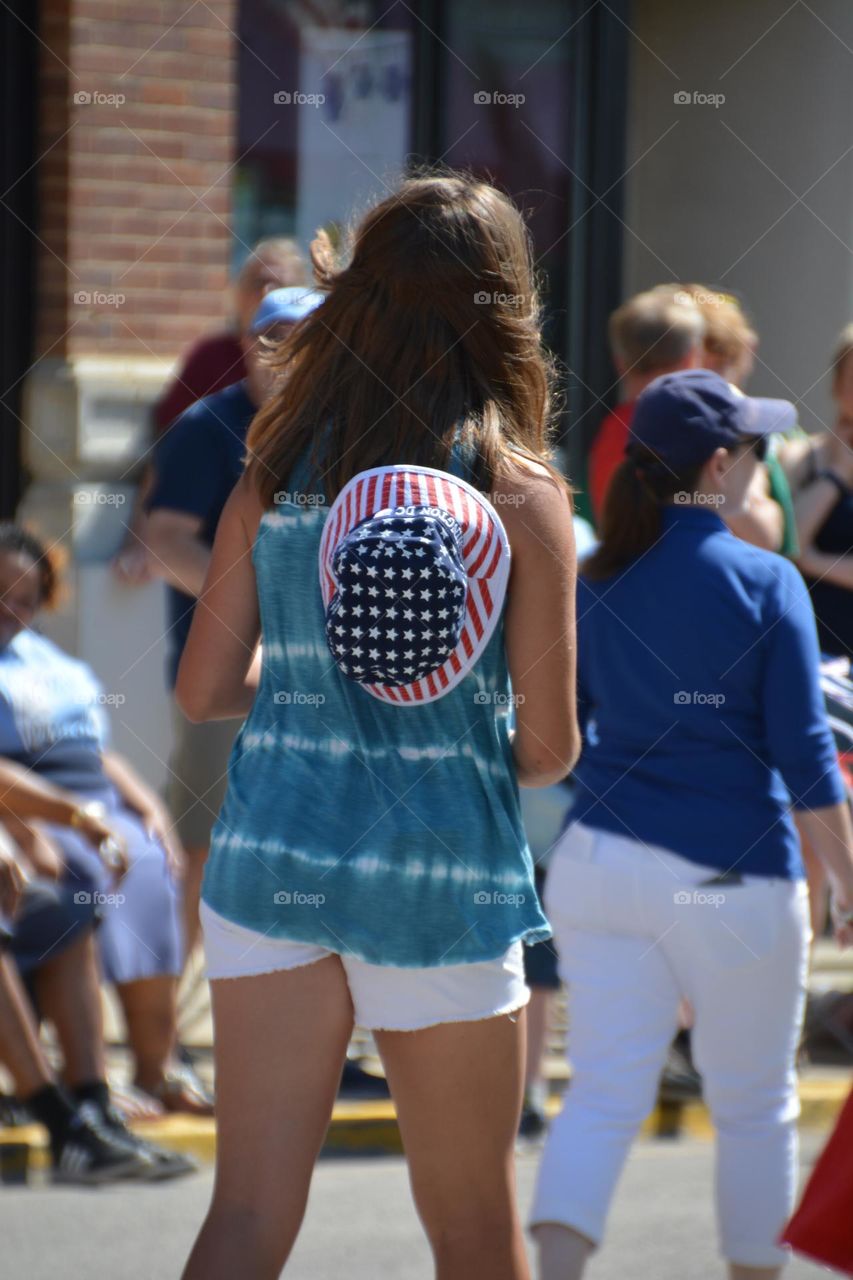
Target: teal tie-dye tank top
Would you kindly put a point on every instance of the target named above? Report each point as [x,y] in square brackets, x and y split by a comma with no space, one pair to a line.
[389,833]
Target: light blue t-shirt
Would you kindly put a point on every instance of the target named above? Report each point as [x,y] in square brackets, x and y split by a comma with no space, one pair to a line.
[52,714]
[389,833]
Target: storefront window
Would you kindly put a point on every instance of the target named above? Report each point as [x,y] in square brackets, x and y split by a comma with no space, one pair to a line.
[324,119]
[530,96]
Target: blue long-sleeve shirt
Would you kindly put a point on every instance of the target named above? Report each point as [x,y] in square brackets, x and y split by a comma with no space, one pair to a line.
[699,696]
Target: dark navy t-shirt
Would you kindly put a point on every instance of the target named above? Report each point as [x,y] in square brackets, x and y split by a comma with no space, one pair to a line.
[196,464]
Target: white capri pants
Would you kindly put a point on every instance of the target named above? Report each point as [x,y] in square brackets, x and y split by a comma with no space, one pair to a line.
[635,934]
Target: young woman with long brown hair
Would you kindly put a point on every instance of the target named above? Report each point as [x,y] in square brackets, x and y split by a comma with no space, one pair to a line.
[369,861]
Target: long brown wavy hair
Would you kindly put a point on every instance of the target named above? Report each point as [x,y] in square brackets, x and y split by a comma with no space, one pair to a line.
[434,324]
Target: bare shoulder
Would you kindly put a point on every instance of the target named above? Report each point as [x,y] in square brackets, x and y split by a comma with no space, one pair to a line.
[533,502]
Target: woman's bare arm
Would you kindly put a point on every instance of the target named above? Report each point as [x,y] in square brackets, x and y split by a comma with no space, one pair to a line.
[177,553]
[25,795]
[837,569]
[132,788]
[540,623]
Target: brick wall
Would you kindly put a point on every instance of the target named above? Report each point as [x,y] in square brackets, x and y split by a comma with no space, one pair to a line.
[136,135]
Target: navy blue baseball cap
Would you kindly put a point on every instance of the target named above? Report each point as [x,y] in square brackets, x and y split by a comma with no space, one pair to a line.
[683,417]
[284,306]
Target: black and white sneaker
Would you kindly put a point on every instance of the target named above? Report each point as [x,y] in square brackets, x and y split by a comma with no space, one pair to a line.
[157,1163]
[87,1155]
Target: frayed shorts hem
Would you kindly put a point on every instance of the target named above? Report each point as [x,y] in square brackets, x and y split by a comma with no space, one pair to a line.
[384,997]
[514,1006]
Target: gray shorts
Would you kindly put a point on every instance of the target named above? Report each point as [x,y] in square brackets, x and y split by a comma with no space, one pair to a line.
[198,775]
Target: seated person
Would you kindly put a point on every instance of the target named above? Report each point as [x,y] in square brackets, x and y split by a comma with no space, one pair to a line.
[78,803]
[47,950]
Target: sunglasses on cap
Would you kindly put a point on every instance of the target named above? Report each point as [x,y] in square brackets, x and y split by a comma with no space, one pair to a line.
[758,445]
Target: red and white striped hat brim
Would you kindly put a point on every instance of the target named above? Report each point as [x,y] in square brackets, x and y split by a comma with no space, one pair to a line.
[485,555]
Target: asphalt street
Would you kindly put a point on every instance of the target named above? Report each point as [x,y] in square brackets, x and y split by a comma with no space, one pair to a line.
[360,1224]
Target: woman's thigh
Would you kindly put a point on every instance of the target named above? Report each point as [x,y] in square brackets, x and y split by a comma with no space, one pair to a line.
[458,1088]
[279,1046]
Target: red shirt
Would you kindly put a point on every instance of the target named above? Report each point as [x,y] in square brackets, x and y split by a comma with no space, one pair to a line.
[608,450]
[210,365]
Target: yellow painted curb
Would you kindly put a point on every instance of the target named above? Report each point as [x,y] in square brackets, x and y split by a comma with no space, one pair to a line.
[370,1127]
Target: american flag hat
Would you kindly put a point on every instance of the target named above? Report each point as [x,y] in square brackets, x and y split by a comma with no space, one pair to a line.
[414,565]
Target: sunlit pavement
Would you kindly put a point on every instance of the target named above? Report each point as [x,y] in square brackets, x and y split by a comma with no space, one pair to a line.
[361,1224]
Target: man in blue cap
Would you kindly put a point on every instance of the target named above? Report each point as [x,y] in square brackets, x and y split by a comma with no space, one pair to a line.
[197,463]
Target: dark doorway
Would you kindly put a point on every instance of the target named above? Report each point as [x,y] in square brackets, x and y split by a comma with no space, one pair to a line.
[535,98]
[18,42]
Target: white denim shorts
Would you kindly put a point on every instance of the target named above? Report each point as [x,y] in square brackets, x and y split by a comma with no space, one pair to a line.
[384,997]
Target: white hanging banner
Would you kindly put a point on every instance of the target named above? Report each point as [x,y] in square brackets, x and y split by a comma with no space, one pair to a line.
[354,136]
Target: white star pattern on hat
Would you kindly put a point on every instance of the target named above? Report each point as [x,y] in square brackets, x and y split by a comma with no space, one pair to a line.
[425,651]
[454,536]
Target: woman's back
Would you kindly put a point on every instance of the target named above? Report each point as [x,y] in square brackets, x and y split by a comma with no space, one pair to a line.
[401,822]
[698,667]
[390,831]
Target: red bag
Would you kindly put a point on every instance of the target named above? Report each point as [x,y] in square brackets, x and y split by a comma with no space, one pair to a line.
[822,1227]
